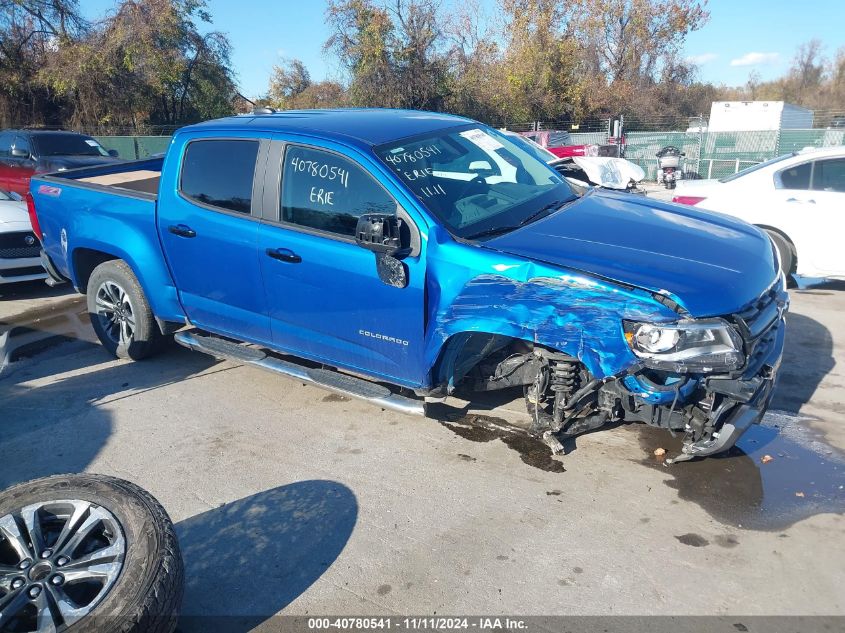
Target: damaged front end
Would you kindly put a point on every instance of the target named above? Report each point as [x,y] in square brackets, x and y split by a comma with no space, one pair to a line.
[709,379]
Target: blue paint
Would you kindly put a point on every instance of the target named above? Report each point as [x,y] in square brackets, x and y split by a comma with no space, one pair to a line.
[565,282]
[712,263]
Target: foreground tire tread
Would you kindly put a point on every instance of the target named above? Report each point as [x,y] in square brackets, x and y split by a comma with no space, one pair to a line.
[156,607]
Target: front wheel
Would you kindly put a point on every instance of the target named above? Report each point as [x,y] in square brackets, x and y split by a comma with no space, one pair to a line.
[120,313]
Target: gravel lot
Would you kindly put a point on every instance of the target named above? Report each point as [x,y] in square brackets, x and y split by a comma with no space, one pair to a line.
[290,499]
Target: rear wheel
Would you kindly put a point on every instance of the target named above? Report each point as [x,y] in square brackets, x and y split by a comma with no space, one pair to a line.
[786,251]
[120,313]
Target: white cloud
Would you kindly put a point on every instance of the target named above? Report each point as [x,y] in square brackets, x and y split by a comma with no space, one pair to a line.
[755,59]
[698,60]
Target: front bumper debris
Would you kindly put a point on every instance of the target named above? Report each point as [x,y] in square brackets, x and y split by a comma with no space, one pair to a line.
[744,403]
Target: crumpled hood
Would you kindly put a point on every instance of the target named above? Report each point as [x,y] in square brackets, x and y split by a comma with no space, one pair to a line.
[609,171]
[712,263]
[13,216]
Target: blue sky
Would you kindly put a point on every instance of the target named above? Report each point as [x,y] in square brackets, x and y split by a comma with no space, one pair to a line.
[741,36]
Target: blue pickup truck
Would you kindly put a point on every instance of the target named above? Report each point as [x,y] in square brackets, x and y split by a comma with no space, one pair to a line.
[398,256]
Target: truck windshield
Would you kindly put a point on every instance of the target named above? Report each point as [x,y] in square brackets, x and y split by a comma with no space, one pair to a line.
[475,180]
[68,145]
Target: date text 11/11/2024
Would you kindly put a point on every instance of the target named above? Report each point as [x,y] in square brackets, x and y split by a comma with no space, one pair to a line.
[427,623]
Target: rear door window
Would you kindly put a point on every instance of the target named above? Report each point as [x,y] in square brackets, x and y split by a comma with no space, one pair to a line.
[219,173]
[797,177]
[327,192]
[829,175]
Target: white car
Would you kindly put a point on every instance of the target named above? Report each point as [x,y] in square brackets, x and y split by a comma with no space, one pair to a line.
[20,252]
[799,199]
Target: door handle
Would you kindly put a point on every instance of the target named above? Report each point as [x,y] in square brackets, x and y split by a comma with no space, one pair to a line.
[182,230]
[284,255]
[799,200]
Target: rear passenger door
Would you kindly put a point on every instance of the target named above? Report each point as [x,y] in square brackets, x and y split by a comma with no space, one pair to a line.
[209,230]
[828,195]
[325,297]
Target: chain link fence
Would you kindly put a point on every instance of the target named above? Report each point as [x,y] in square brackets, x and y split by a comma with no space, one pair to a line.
[134,147]
[707,154]
[719,154]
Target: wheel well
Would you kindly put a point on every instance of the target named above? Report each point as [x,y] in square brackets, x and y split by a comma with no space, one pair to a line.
[773,229]
[85,260]
[463,351]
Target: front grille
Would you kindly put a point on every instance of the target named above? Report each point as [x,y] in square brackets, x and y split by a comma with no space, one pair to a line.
[20,272]
[757,325]
[18,253]
[16,246]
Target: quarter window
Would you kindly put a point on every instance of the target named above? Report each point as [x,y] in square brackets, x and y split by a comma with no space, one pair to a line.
[219,173]
[327,192]
[797,177]
[829,175]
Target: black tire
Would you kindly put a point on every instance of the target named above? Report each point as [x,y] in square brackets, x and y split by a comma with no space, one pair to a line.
[146,596]
[786,251]
[146,338]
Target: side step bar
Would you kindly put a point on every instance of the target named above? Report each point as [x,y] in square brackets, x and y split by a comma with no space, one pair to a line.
[328,379]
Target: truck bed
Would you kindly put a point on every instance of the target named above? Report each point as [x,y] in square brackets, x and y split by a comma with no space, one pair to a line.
[129,178]
[84,210]
[145,180]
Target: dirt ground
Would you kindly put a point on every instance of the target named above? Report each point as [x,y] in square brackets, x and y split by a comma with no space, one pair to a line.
[289,499]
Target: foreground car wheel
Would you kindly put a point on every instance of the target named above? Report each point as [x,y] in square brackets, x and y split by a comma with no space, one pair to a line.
[87,553]
[120,313]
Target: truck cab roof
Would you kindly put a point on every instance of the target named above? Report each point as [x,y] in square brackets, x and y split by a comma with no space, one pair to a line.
[363,126]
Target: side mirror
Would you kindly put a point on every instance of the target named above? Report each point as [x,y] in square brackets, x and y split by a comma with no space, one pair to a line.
[113,153]
[20,153]
[379,233]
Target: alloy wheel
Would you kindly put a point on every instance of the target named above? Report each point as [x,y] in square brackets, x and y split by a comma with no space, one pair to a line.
[58,560]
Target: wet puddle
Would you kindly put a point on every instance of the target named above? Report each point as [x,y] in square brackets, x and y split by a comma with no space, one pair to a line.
[780,472]
[484,428]
[30,332]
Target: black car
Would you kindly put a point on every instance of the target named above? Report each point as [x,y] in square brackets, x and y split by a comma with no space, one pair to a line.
[27,152]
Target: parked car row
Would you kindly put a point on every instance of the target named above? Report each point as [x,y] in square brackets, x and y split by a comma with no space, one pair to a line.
[583,172]
[20,251]
[798,199]
[559,143]
[27,152]
[23,154]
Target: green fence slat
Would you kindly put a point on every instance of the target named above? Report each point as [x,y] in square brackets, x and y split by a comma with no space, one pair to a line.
[134,147]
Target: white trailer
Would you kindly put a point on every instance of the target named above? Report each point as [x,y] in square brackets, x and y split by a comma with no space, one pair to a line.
[752,116]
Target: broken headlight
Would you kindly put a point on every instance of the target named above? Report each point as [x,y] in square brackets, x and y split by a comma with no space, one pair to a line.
[704,346]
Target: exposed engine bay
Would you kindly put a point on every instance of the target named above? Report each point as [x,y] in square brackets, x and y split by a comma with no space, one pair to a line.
[711,410]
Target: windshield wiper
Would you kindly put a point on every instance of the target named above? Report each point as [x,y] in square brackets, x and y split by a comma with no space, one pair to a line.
[496,230]
[552,206]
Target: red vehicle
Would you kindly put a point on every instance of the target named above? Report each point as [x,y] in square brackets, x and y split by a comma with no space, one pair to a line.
[559,143]
[27,152]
